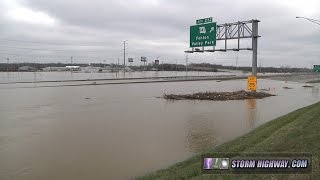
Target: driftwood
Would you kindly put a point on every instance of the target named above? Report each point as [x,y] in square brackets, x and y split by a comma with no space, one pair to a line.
[308,86]
[287,87]
[219,96]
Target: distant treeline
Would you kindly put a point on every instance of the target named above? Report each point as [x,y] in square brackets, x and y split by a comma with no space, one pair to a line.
[217,67]
[160,67]
[38,66]
[249,69]
[155,67]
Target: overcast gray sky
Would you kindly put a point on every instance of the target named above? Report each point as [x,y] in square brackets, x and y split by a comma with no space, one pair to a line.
[94,30]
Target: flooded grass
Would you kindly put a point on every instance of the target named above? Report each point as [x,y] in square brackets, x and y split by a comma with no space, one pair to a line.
[219,96]
[308,86]
[316,81]
[297,131]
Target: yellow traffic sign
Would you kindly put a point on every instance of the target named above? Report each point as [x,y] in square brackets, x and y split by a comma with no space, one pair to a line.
[252,83]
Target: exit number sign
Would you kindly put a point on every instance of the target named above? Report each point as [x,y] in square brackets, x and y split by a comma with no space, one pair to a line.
[203,21]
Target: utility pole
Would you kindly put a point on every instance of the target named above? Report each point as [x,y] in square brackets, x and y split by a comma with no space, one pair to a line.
[7,64]
[18,67]
[118,64]
[187,64]
[157,65]
[237,63]
[176,67]
[71,59]
[124,55]
[260,65]
[162,65]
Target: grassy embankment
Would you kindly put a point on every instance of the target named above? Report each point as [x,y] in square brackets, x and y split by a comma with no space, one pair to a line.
[298,131]
[315,81]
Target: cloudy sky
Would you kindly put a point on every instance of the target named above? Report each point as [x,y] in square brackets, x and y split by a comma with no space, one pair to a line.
[94,30]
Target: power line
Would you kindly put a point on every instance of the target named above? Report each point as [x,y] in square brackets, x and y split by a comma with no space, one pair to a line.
[311,20]
[53,56]
[42,49]
[50,43]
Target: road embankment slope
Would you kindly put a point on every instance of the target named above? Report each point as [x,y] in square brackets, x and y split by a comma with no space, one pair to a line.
[298,131]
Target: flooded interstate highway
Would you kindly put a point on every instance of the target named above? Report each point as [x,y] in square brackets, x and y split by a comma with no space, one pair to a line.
[94,132]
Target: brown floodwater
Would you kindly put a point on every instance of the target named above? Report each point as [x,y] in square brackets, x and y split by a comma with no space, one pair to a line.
[6,77]
[125,131]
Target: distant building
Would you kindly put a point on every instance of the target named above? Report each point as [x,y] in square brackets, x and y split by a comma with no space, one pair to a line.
[128,69]
[55,69]
[91,69]
[26,68]
[73,68]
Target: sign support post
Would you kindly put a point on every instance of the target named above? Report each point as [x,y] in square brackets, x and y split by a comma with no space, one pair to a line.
[254,47]
[254,52]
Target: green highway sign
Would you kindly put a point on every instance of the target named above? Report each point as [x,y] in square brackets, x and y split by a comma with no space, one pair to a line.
[316,68]
[203,35]
[203,21]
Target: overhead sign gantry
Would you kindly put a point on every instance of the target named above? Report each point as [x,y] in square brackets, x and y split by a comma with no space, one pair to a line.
[206,32]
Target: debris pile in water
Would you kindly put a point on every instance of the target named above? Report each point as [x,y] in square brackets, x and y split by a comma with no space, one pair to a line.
[219,96]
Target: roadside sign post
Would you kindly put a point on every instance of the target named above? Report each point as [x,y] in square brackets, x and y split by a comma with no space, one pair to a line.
[252,83]
[144,60]
[130,60]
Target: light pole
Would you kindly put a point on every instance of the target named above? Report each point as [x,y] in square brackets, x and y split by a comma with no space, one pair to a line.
[71,60]
[187,64]
[309,19]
